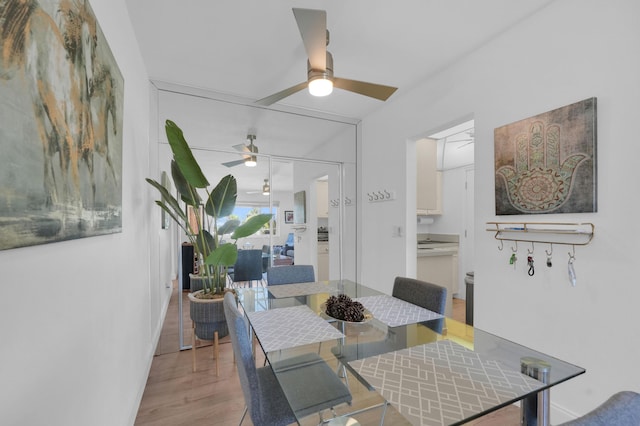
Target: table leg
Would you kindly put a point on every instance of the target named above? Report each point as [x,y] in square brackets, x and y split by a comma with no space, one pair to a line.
[534,409]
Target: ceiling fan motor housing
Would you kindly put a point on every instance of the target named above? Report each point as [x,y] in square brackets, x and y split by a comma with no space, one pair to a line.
[252,147]
[320,78]
[326,73]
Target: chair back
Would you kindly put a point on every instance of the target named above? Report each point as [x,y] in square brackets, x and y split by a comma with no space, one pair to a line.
[421,293]
[248,267]
[621,409]
[246,364]
[289,274]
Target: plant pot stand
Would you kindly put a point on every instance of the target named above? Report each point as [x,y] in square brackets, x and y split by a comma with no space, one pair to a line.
[208,323]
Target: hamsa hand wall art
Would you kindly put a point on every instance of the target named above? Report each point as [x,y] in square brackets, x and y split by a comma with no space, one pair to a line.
[547,163]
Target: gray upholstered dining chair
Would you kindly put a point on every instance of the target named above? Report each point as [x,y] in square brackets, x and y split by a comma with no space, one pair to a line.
[290,274]
[421,293]
[621,409]
[266,254]
[248,267]
[429,296]
[266,403]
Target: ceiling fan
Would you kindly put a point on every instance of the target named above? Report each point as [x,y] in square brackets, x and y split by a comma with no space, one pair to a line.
[469,138]
[320,79]
[250,159]
[266,189]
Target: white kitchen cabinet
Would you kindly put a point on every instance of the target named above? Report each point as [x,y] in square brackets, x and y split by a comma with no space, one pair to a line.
[323,261]
[429,179]
[322,191]
[440,270]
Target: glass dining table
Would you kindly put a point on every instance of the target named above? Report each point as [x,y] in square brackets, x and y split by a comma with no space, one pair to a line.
[403,364]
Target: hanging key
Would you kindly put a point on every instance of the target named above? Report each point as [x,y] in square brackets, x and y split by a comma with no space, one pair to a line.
[571,270]
[530,263]
[512,260]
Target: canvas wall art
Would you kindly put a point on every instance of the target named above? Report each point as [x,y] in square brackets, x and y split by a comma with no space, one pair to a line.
[61,100]
[288,216]
[547,163]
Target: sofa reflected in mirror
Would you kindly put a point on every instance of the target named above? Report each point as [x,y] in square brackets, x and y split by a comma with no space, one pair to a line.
[282,254]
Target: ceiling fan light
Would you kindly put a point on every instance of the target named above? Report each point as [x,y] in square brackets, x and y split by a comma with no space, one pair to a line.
[321,86]
[251,161]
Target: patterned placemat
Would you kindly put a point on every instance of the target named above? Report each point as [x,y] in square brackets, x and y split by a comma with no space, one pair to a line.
[443,382]
[300,289]
[284,328]
[394,312]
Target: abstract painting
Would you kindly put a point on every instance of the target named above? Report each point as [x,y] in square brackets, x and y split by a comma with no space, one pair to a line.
[61,100]
[547,163]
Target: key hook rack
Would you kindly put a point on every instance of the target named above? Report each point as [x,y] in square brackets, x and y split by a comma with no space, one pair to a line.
[567,233]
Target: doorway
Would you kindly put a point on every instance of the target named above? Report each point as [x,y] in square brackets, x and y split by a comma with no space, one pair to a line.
[455,165]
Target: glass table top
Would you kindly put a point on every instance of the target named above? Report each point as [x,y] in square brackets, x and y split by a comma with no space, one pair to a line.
[477,371]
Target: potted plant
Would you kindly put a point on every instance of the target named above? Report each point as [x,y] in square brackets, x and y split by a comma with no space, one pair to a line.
[208,207]
[218,203]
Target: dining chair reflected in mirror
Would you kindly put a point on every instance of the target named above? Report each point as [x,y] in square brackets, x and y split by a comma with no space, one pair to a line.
[290,274]
[248,267]
[265,401]
[266,255]
[424,294]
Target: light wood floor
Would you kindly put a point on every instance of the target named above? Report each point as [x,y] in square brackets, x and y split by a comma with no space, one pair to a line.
[174,395]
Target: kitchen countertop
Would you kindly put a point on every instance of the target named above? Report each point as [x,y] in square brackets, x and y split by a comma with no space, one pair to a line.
[437,245]
[438,251]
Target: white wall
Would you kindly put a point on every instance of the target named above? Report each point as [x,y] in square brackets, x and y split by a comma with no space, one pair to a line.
[79,319]
[569,51]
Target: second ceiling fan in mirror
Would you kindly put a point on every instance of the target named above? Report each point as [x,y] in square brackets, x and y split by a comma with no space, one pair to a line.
[320,79]
[249,159]
[266,189]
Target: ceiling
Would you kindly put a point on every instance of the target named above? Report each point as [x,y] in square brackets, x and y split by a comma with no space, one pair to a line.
[249,49]
[253,48]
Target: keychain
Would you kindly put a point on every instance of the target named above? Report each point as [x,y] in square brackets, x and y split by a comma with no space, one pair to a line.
[512,260]
[549,253]
[530,263]
[571,269]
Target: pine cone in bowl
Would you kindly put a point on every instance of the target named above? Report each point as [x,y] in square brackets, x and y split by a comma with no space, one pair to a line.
[345,309]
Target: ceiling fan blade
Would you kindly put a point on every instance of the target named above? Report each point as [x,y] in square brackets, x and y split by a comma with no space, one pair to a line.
[233,163]
[272,99]
[463,145]
[241,147]
[372,90]
[313,29]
